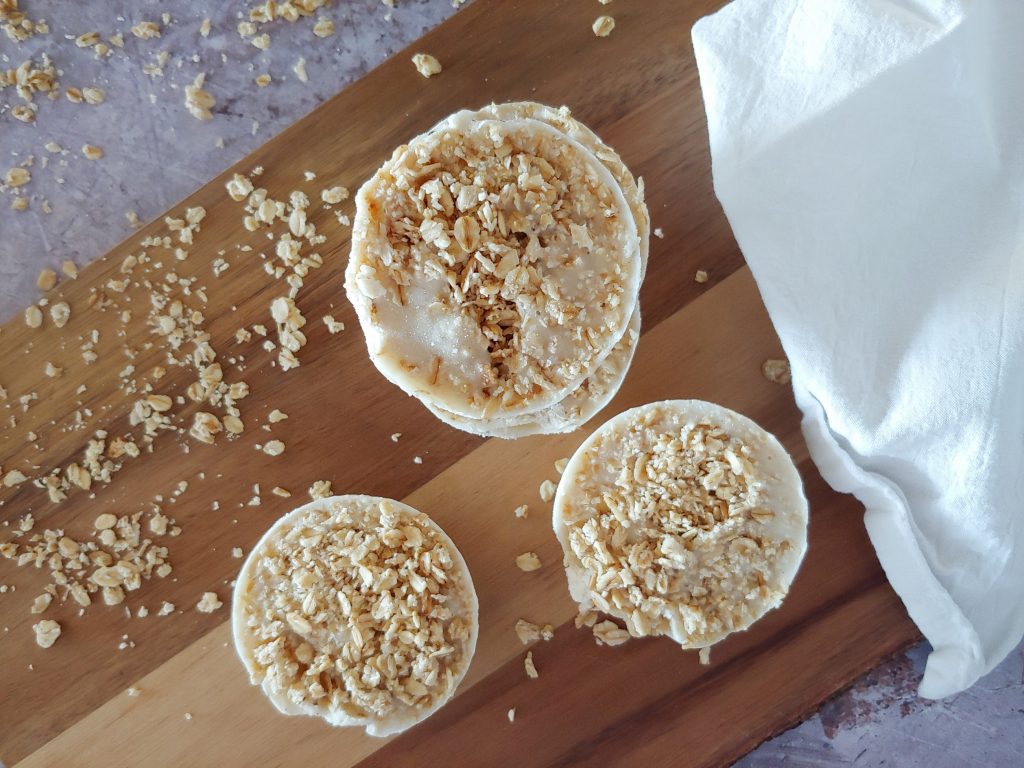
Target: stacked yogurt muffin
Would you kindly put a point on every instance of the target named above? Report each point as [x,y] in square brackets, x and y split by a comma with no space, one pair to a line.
[495,269]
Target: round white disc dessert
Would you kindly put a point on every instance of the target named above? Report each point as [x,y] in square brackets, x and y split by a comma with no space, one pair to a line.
[495,264]
[356,609]
[681,518]
[568,414]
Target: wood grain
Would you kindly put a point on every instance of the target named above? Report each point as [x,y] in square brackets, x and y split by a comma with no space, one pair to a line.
[646,703]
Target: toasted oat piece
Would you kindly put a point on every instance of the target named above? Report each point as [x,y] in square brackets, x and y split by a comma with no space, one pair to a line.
[356,609]
[568,414]
[680,518]
[519,276]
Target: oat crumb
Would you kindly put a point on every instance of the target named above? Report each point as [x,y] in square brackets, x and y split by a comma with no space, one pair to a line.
[321,489]
[426,64]
[603,26]
[704,655]
[776,370]
[522,511]
[208,603]
[531,668]
[700,277]
[46,280]
[273,448]
[47,631]
[528,561]
[333,326]
[547,491]
[659,233]
[512,715]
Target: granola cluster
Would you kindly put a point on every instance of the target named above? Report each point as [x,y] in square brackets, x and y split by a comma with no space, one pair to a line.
[357,609]
[680,524]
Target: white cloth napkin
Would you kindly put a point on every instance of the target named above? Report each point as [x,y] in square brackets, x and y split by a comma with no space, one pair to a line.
[870,157]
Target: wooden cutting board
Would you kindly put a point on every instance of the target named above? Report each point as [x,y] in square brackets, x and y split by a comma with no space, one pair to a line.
[646,703]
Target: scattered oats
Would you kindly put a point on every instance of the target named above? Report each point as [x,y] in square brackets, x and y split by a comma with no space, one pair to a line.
[528,561]
[547,491]
[284,493]
[522,511]
[166,609]
[188,715]
[60,313]
[33,316]
[46,280]
[87,39]
[324,27]
[133,691]
[276,416]
[208,603]
[263,80]
[52,370]
[528,632]
[309,175]
[531,668]
[321,489]
[142,612]
[700,277]
[334,195]
[233,425]
[26,113]
[300,70]
[704,655]
[133,219]
[426,64]
[41,603]
[609,633]
[204,28]
[417,459]
[333,326]
[146,30]
[198,101]
[273,448]
[395,436]
[17,177]
[560,465]
[236,552]
[659,233]
[512,715]
[105,522]
[47,631]
[19,203]
[776,371]
[92,152]
[603,26]
[94,95]
[261,41]
[70,269]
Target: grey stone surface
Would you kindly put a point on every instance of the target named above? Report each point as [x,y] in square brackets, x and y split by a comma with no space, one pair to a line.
[156,154]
